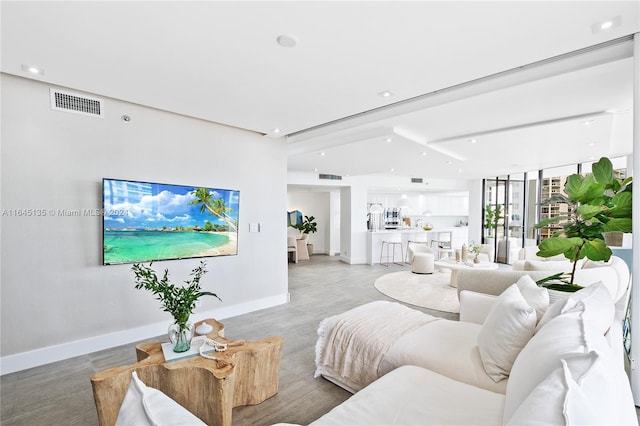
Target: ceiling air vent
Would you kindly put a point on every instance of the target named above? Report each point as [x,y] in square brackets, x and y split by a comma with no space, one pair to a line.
[329,177]
[416,180]
[76,103]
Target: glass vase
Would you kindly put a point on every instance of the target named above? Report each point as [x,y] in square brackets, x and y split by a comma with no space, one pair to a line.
[180,335]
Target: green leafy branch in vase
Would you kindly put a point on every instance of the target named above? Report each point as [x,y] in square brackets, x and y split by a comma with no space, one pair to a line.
[598,203]
[179,301]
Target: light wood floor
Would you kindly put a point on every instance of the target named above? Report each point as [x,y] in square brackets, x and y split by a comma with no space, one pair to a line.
[60,393]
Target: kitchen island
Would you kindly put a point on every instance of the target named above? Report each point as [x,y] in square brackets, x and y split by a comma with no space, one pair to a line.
[459,236]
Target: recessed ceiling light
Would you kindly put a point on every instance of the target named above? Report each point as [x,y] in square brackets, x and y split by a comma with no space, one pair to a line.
[32,69]
[392,169]
[473,141]
[315,170]
[287,40]
[276,131]
[322,154]
[592,144]
[606,25]
[388,140]
[386,94]
[424,153]
[449,162]
[588,122]
[459,170]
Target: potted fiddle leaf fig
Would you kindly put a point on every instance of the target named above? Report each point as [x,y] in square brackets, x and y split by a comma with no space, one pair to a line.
[598,203]
[491,217]
[179,301]
[307,226]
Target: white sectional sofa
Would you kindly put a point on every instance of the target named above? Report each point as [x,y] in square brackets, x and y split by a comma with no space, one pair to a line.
[507,361]
[528,260]
[516,366]
[614,274]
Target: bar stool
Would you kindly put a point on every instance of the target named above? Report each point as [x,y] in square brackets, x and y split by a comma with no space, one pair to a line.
[392,239]
[443,244]
[418,238]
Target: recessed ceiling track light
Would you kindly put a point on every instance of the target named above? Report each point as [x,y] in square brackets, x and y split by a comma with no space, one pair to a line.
[31,69]
[606,25]
[386,94]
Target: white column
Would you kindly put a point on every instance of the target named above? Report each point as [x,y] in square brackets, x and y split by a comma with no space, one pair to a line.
[635,313]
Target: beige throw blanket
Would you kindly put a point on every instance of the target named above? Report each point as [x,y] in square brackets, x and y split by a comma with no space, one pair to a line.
[353,344]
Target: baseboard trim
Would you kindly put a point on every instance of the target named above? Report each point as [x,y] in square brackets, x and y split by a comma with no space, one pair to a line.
[352,261]
[49,354]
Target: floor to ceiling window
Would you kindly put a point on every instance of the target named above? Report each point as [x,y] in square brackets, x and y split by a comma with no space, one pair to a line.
[553,181]
[513,204]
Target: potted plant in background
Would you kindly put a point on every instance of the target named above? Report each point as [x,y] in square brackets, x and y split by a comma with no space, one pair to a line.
[178,301]
[598,203]
[307,226]
[491,218]
[475,248]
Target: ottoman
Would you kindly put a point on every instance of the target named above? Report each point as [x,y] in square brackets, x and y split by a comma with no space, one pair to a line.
[422,263]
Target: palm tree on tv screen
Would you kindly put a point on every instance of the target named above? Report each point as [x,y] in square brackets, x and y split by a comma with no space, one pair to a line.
[215,206]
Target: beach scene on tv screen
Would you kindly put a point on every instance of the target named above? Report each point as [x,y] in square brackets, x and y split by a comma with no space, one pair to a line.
[151,221]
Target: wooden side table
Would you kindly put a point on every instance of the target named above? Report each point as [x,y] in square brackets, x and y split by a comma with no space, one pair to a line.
[246,374]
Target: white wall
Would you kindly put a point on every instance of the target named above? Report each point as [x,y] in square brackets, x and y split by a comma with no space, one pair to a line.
[316,204]
[57,298]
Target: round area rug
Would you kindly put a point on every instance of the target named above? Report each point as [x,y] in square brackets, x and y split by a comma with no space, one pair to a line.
[429,291]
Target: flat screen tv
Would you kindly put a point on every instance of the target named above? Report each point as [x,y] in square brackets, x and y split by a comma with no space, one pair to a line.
[145,221]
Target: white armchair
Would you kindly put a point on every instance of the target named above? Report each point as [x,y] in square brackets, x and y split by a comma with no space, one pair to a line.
[301,245]
[292,249]
[486,253]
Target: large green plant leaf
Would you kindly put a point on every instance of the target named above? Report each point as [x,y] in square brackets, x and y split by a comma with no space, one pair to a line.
[557,245]
[603,171]
[596,250]
[622,205]
[576,186]
[622,225]
[587,211]
[569,288]
[583,189]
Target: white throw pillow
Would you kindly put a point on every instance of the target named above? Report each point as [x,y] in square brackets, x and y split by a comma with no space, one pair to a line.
[507,329]
[585,389]
[597,307]
[599,391]
[607,275]
[544,405]
[143,406]
[566,334]
[537,297]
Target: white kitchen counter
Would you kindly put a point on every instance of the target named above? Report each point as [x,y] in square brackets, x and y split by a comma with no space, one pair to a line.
[459,236]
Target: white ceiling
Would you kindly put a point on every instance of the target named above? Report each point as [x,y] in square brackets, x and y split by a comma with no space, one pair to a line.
[220,61]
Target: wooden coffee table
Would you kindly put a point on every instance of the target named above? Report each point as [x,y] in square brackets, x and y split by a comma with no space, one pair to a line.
[457,266]
[245,374]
